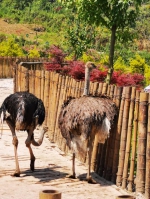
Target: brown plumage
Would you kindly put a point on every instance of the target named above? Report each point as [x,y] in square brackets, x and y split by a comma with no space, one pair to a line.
[82,119]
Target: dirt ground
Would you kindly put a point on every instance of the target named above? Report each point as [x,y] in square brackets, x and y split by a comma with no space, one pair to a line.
[51,168]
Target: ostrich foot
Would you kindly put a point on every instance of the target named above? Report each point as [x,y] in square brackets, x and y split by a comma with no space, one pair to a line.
[73,176]
[91,180]
[16,174]
[32,165]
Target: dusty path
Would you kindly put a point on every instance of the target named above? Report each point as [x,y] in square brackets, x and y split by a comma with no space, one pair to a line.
[51,165]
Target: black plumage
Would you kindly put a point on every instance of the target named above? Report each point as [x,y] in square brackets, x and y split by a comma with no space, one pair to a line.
[23,111]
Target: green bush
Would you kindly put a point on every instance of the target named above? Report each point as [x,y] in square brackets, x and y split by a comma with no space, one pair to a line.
[137,64]
[119,65]
[10,48]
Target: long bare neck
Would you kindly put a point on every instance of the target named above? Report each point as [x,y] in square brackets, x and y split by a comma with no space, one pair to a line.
[87,82]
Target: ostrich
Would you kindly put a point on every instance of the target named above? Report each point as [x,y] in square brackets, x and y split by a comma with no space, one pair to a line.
[84,119]
[23,111]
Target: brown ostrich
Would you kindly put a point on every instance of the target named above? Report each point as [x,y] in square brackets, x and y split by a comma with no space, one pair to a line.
[85,118]
[22,111]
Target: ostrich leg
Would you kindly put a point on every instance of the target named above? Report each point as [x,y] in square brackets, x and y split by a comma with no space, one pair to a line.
[28,145]
[30,139]
[15,143]
[89,177]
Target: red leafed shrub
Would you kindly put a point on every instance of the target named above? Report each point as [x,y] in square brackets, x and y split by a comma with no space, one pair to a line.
[52,67]
[77,70]
[98,76]
[56,54]
[127,79]
[56,59]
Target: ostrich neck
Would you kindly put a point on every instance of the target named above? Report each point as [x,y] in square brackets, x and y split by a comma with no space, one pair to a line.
[87,81]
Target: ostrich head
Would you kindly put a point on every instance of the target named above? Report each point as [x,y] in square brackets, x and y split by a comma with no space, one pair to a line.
[89,66]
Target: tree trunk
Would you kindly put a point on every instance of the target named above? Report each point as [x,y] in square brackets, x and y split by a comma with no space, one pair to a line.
[111,53]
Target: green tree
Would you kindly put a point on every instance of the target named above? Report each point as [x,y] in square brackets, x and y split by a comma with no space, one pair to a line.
[116,15]
[79,37]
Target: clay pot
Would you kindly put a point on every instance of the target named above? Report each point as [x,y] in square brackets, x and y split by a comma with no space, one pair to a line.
[49,194]
[125,197]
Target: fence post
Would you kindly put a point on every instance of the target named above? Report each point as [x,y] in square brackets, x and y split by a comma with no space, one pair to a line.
[123,135]
[141,144]
[147,181]
[120,97]
[134,142]
[129,134]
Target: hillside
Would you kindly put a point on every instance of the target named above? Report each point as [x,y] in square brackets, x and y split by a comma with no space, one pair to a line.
[17,29]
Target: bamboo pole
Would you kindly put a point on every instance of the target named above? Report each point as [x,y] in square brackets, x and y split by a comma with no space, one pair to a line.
[50,104]
[104,89]
[129,134]
[19,78]
[120,99]
[99,153]
[141,144]
[58,135]
[31,81]
[38,83]
[134,142]
[42,84]
[147,180]
[110,146]
[95,88]
[55,102]
[46,93]
[100,88]
[102,159]
[123,135]
[57,107]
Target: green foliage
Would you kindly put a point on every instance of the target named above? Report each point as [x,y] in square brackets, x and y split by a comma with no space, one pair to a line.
[10,48]
[147,75]
[119,65]
[80,37]
[34,53]
[137,64]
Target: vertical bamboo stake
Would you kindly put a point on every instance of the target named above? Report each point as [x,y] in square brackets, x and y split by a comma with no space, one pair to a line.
[100,88]
[123,135]
[58,106]
[37,83]
[110,146]
[120,99]
[55,87]
[42,84]
[59,137]
[31,81]
[111,94]
[147,181]
[141,145]
[95,88]
[99,152]
[15,77]
[19,78]
[134,142]
[102,158]
[129,134]
[50,103]
[104,90]
[46,93]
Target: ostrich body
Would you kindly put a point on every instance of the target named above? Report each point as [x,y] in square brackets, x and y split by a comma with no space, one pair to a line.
[22,111]
[84,119]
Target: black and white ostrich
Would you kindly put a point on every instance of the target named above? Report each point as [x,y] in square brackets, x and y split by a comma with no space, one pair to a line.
[85,118]
[23,111]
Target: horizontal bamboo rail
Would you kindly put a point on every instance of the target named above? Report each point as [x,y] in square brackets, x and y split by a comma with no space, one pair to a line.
[124,158]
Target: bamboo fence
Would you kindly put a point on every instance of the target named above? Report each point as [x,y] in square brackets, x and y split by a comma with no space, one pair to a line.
[124,159]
